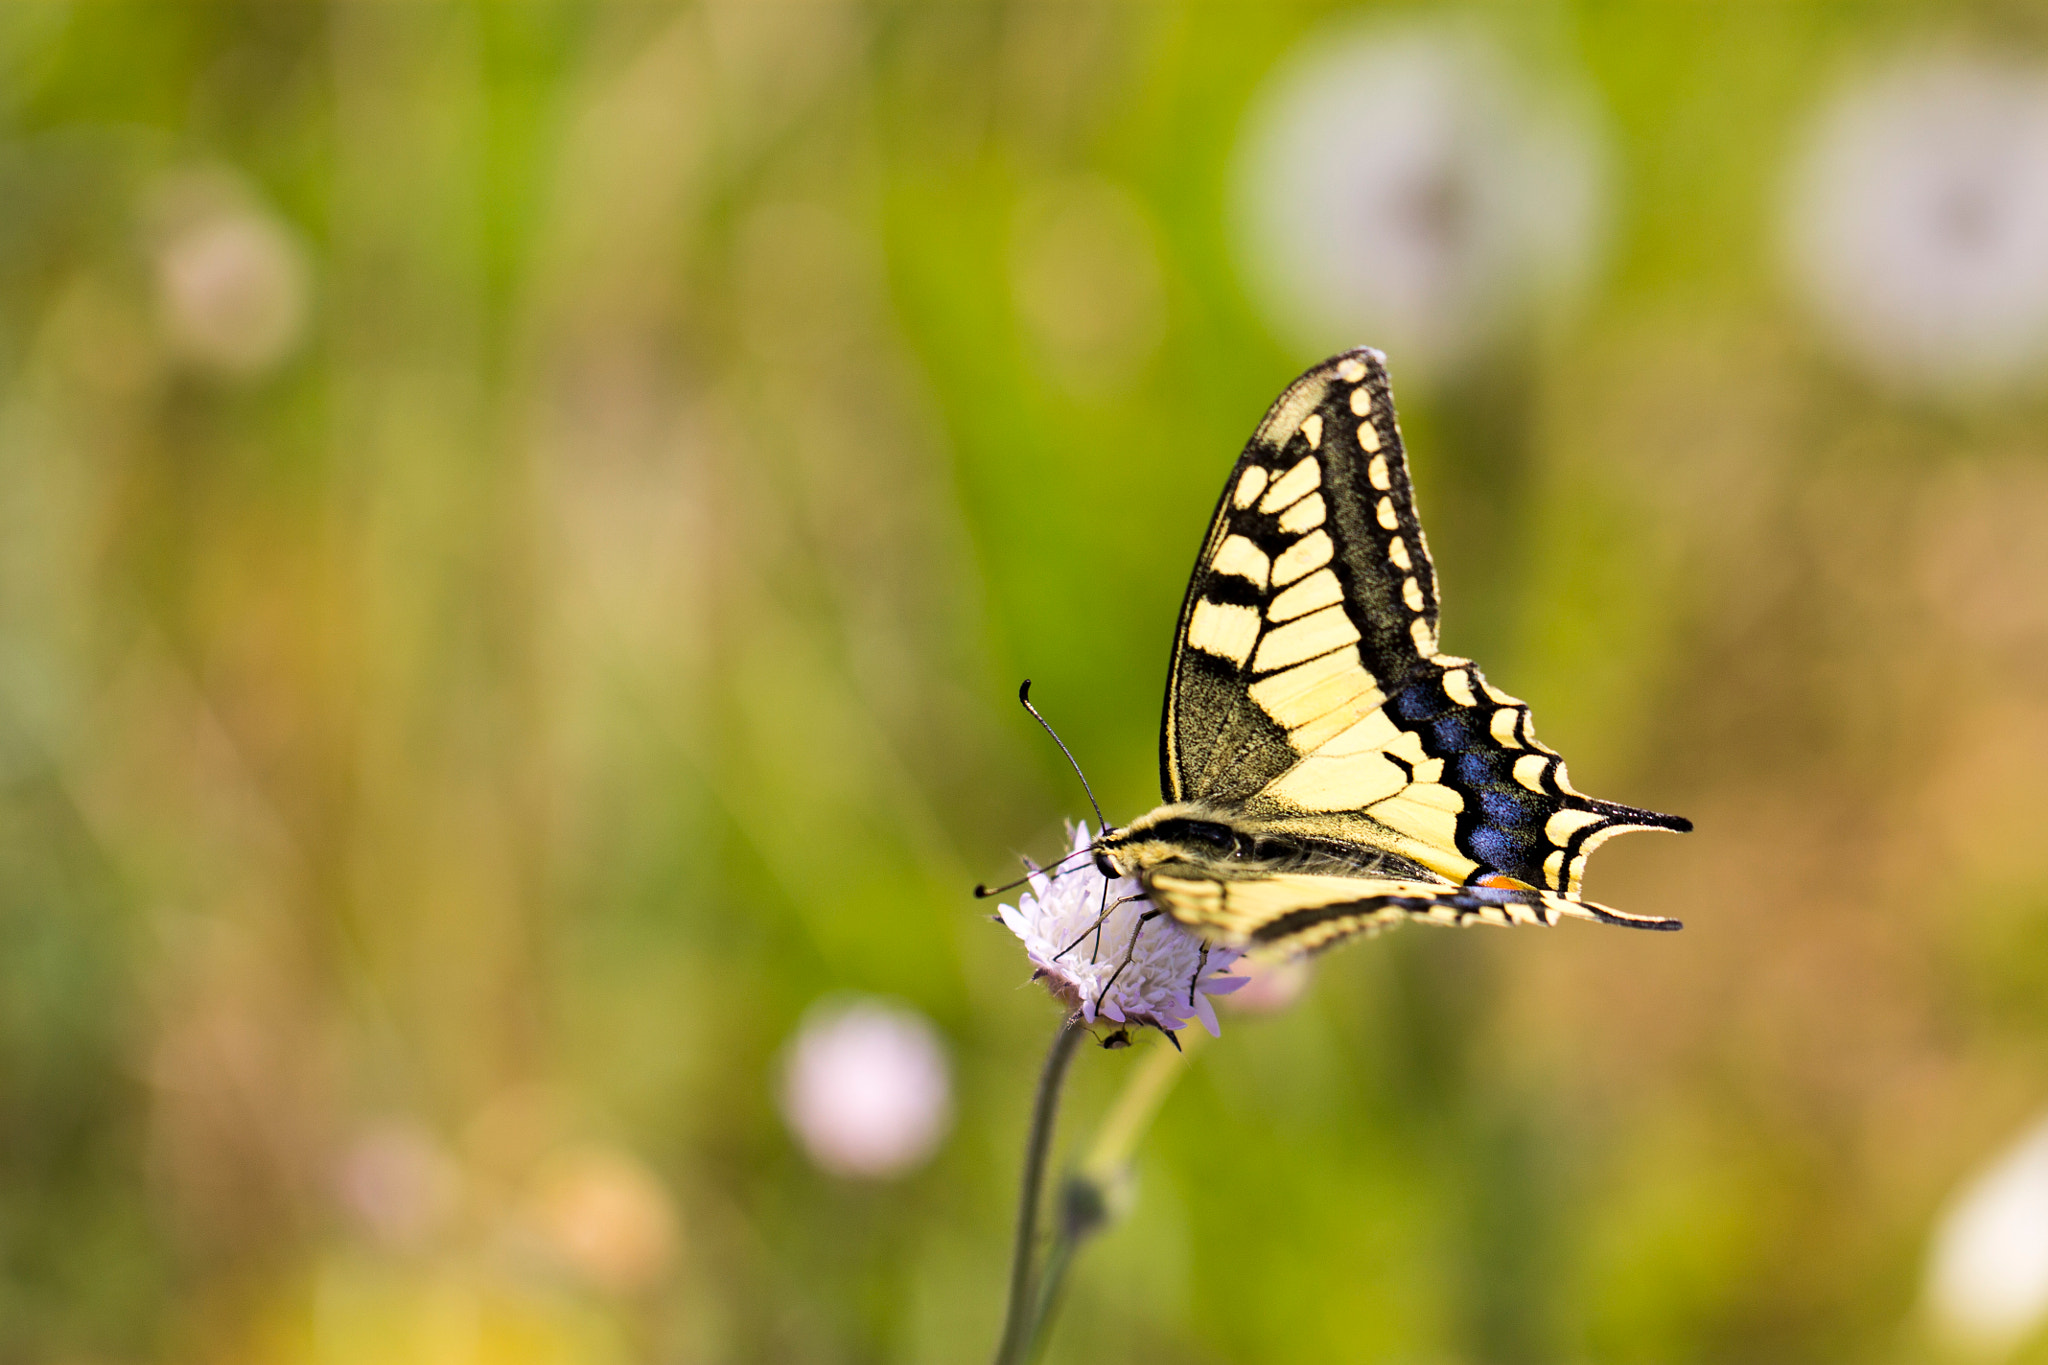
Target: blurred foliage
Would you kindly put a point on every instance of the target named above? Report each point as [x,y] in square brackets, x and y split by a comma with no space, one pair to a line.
[495,715]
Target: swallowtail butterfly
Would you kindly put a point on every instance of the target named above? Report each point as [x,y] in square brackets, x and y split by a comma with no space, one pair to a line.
[1326,771]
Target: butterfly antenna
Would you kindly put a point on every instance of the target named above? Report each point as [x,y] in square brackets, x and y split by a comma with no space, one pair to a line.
[982,891]
[1024,696]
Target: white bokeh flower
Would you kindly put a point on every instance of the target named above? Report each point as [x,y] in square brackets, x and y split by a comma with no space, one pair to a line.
[1168,978]
[1987,1271]
[1917,223]
[866,1088]
[1409,183]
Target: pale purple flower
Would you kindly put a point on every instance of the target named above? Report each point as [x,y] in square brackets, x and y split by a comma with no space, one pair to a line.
[1916,222]
[1168,978]
[866,1088]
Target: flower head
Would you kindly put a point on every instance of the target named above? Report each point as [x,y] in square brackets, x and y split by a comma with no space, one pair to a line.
[1142,968]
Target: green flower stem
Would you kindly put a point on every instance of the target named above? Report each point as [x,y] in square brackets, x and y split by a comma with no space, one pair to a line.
[1020,1320]
[1093,1197]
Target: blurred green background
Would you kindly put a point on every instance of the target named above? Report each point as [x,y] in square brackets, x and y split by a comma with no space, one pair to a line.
[520,525]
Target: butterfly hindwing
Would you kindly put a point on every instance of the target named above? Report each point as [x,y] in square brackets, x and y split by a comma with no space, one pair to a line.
[1292,913]
[1307,696]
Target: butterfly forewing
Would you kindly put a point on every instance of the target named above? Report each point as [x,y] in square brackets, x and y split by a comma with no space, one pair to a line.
[1312,593]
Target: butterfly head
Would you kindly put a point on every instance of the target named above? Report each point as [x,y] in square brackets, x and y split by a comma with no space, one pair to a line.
[1111,852]
[1183,831]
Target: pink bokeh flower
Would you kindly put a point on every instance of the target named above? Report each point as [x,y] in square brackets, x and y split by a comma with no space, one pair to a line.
[866,1088]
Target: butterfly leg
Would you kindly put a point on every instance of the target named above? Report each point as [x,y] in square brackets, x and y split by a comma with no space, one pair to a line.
[1129,953]
[1096,928]
[1201,965]
[1095,953]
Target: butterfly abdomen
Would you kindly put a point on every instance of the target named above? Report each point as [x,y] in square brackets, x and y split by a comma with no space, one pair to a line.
[1235,846]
